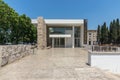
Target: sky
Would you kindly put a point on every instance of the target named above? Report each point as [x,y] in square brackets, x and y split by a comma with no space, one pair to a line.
[96,11]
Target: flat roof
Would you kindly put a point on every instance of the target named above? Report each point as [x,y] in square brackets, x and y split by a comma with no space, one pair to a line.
[34,21]
[92,31]
[60,35]
[61,21]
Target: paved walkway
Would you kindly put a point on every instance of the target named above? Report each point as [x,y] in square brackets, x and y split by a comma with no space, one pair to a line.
[54,64]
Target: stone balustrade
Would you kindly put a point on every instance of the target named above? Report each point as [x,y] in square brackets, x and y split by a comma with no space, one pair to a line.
[11,53]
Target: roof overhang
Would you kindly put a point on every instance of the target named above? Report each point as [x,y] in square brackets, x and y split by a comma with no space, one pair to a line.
[60,35]
[34,21]
[69,22]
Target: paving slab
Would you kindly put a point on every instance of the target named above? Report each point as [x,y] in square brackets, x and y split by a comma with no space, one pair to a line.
[54,64]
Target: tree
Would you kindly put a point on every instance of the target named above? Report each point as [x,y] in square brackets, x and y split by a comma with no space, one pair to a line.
[15,28]
[114,32]
[104,34]
[111,32]
[111,35]
[98,34]
[28,31]
[118,31]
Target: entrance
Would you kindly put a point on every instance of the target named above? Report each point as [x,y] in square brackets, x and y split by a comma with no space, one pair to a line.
[89,42]
[58,42]
[77,42]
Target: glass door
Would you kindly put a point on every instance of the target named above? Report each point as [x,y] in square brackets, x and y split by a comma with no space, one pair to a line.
[56,42]
[77,36]
[59,42]
[77,42]
[62,42]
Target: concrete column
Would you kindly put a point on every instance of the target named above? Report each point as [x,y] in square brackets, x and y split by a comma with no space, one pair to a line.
[52,42]
[81,35]
[73,37]
[65,42]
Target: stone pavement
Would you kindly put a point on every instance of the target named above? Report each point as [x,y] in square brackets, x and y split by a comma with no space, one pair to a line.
[54,64]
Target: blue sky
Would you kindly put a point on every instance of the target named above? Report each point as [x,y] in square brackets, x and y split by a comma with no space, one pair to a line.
[96,11]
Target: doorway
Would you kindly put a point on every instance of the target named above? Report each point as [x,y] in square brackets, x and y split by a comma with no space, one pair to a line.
[77,42]
[89,42]
[58,42]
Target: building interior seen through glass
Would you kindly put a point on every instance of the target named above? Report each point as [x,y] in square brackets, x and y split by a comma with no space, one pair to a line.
[65,41]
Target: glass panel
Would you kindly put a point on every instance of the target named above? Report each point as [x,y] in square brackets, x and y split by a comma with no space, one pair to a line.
[77,36]
[77,42]
[59,42]
[50,42]
[56,42]
[59,30]
[62,42]
[77,31]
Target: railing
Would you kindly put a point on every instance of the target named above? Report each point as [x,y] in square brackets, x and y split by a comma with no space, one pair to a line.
[104,48]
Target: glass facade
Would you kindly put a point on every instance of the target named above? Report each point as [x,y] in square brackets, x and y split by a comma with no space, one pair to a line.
[62,41]
[77,36]
[59,30]
[59,42]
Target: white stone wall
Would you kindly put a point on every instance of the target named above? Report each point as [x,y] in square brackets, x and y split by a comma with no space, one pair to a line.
[11,53]
[106,61]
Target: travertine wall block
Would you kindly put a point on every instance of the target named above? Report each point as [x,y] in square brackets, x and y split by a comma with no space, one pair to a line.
[11,53]
[41,34]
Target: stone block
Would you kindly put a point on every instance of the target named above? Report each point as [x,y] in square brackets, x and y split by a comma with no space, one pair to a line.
[41,34]
[12,58]
[4,61]
[11,53]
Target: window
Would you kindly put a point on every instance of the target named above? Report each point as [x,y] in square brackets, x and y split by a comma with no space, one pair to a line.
[90,39]
[77,32]
[58,30]
[89,33]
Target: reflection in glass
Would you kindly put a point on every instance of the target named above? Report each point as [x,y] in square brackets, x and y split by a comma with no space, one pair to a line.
[59,42]
[59,30]
[77,36]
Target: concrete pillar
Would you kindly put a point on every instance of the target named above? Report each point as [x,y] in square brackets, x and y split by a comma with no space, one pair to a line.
[52,42]
[81,35]
[65,42]
[73,37]
[41,34]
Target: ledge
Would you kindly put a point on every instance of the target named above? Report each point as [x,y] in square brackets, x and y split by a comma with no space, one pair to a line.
[103,53]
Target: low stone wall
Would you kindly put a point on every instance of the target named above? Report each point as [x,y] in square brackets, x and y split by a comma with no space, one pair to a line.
[11,53]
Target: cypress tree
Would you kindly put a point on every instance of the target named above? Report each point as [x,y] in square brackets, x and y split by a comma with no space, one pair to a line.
[98,34]
[104,34]
[118,31]
[111,34]
[114,33]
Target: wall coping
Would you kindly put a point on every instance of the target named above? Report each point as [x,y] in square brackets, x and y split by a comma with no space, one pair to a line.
[103,53]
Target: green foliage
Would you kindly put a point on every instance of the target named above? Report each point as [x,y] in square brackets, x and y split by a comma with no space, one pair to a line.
[111,34]
[104,34]
[15,28]
[98,34]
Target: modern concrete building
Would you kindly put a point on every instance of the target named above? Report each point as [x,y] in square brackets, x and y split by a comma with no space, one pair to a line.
[92,37]
[61,33]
